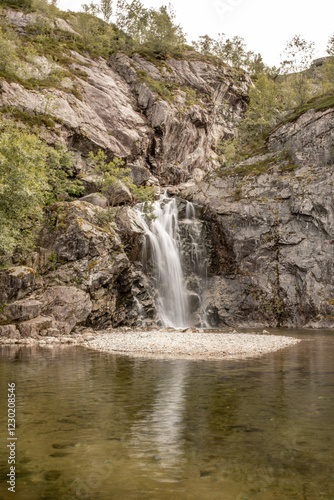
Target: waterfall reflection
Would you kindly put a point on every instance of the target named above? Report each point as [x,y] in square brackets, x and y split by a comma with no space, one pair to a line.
[158,436]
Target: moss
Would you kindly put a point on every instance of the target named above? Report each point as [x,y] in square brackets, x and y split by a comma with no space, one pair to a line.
[318,103]
[257,168]
[164,88]
[330,302]
[91,265]
[28,118]
[289,168]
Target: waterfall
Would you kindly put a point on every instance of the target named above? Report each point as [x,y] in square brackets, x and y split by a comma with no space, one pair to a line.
[162,244]
[175,258]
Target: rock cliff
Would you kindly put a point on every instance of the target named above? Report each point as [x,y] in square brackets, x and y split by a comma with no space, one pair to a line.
[273,232]
[268,225]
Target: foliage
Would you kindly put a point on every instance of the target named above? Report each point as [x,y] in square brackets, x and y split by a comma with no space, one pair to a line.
[97,36]
[164,88]
[112,174]
[261,115]
[162,35]
[46,7]
[231,51]
[154,29]
[296,60]
[17,4]
[106,9]
[263,109]
[103,218]
[8,53]
[32,174]
[59,170]
[23,187]
[132,18]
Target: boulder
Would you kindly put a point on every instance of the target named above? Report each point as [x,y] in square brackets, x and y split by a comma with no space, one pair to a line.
[96,199]
[35,327]
[121,195]
[22,310]
[9,332]
[140,175]
[16,283]
[68,306]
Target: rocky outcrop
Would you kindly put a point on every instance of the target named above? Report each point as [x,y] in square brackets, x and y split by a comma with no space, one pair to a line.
[82,275]
[273,234]
[165,117]
[309,139]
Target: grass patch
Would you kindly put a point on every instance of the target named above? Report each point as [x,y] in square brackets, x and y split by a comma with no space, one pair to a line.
[318,103]
[289,168]
[30,119]
[164,89]
[257,168]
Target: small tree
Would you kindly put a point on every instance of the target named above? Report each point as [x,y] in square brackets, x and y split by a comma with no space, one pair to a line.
[204,44]
[132,18]
[264,107]
[163,36]
[23,187]
[112,174]
[295,61]
[106,9]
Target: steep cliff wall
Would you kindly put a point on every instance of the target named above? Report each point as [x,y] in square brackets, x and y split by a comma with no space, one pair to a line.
[273,232]
[163,115]
[269,224]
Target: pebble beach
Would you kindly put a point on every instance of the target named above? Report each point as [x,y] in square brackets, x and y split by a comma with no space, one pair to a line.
[169,343]
[190,344]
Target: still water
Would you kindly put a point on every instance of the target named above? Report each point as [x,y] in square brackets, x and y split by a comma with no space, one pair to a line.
[98,426]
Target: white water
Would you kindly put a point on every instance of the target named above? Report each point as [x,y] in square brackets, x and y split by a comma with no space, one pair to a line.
[162,240]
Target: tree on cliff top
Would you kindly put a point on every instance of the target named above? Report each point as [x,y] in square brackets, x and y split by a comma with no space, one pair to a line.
[295,61]
[163,36]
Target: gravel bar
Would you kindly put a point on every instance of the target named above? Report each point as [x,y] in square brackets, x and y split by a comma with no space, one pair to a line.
[188,344]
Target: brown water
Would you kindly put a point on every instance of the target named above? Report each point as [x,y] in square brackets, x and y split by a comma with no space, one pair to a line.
[98,426]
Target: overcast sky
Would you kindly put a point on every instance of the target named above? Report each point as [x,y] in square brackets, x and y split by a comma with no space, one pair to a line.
[265,25]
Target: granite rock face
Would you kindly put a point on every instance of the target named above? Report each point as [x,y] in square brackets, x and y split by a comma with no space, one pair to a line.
[309,139]
[166,119]
[81,276]
[273,234]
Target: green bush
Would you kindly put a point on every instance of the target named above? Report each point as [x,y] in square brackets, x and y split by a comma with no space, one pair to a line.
[17,4]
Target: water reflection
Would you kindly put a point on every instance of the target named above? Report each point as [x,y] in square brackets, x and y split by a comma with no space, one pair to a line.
[92,425]
[159,433]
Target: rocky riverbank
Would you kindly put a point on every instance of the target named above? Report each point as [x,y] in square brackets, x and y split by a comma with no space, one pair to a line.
[169,343]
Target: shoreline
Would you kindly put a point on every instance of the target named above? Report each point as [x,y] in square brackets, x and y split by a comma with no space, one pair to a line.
[168,343]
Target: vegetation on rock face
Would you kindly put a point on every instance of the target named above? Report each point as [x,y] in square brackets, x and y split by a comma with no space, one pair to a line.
[278,98]
[113,174]
[32,174]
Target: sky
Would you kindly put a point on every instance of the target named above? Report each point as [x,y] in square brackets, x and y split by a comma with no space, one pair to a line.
[265,25]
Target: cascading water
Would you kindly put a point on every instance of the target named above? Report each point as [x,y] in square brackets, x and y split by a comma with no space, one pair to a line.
[175,258]
[162,241]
